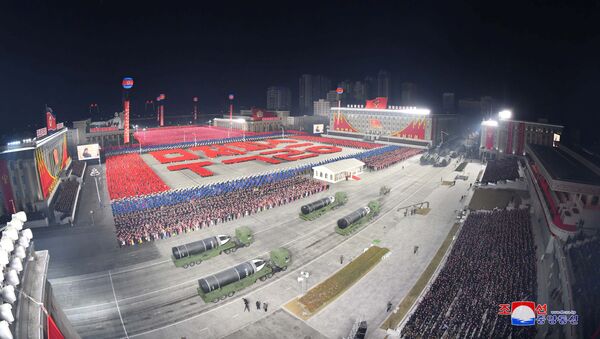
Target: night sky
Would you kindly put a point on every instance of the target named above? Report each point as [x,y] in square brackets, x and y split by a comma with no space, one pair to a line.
[542,58]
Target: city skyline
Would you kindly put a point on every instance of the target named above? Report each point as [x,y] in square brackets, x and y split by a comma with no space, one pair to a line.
[516,57]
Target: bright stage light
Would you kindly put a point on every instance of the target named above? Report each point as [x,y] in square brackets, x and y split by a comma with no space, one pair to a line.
[505,114]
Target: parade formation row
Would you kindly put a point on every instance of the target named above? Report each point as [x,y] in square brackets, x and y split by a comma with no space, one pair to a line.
[225,283]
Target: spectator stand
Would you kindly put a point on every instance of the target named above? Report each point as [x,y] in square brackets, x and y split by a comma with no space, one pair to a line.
[582,253]
[65,204]
[77,170]
[481,272]
[501,170]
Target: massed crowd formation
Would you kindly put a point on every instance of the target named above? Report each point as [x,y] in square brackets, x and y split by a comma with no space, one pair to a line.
[388,159]
[165,221]
[128,175]
[492,262]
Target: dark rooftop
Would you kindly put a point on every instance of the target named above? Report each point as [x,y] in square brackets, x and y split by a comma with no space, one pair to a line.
[562,166]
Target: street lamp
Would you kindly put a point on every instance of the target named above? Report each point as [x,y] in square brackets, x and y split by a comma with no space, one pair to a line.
[92,214]
[94,173]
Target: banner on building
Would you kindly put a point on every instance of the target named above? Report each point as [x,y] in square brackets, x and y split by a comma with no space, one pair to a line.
[379,102]
[60,125]
[318,128]
[41,132]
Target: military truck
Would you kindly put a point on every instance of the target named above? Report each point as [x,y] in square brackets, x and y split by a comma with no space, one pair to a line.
[194,253]
[225,283]
[355,220]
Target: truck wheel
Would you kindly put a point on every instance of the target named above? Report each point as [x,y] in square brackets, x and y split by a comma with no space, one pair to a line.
[284,268]
[223,297]
[263,278]
[215,300]
[192,264]
[198,262]
[231,294]
[185,266]
[234,249]
[269,276]
[226,251]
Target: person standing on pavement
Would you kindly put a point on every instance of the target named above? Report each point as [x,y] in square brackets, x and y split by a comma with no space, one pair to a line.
[258,305]
[389,306]
[341,259]
[265,306]
[246,305]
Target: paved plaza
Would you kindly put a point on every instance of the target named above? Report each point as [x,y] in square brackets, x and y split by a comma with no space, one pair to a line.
[137,292]
[225,172]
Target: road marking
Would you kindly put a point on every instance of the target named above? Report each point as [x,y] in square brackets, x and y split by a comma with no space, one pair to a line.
[277,278]
[60,281]
[235,315]
[117,303]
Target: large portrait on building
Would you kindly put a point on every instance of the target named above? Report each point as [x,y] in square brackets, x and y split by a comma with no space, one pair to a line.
[88,152]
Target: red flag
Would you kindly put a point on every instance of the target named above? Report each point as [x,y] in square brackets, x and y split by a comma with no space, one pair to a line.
[50,120]
[53,331]
[379,102]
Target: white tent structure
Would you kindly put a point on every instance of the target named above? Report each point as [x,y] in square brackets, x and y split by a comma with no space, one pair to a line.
[339,170]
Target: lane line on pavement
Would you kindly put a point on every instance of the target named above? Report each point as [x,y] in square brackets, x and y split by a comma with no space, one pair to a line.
[117,303]
[279,278]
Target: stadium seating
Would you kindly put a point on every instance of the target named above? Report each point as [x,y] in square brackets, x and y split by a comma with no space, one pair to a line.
[492,262]
[128,175]
[497,170]
[385,160]
[66,198]
[77,168]
[193,213]
[338,142]
[584,254]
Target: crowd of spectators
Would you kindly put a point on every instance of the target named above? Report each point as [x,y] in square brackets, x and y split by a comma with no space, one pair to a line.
[77,168]
[66,197]
[584,254]
[339,142]
[165,221]
[387,159]
[503,169]
[492,262]
[128,175]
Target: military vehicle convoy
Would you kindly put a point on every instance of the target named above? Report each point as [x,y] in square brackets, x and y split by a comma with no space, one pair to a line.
[317,208]
[355,220]
[225,283]
[195,252]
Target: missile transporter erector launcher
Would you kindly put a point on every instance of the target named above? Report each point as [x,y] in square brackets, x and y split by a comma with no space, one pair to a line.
[195,252]
[355,220]
[317,208]
[225,283]
[315,205]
